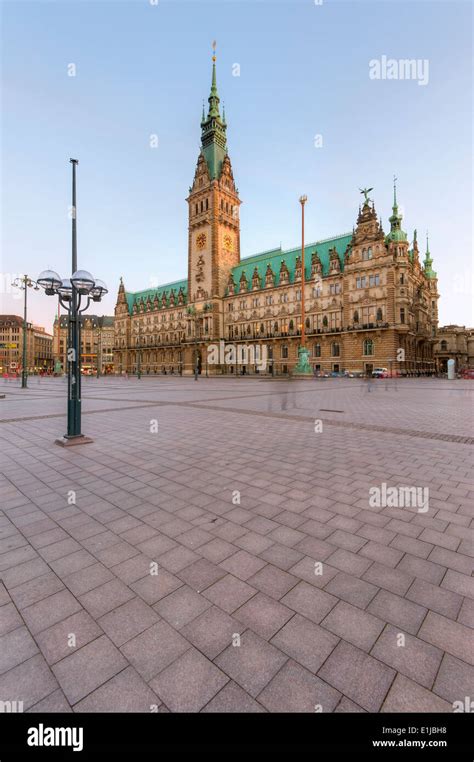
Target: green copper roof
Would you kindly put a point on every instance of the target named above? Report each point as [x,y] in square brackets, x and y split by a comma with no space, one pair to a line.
[274,258]
[213,135]
[136,296]
[428,262]
[396,232]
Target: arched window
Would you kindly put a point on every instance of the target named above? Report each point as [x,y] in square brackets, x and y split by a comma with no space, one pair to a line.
[368,347]
[291,325]
[402,279]
[379,314]
[356,316]
[308,323]
[444,346]
[317,350]
[262,328]
[369,253]
[335,349]
[275,327]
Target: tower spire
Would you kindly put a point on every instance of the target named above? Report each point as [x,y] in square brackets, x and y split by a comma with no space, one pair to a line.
[396,232]
[213,126]
[428,261]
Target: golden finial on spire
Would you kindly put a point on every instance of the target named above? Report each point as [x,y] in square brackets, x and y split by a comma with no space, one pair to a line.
[214,51]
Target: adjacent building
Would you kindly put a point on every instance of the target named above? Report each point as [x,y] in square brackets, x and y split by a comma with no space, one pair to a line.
[370,300]
[454,342]
[39,346]
[97,343]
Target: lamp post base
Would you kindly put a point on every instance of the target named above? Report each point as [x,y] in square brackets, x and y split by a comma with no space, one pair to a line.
[303,368]
[78,439]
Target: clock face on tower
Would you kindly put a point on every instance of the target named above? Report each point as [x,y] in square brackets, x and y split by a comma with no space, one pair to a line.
[228,242]
[201,240]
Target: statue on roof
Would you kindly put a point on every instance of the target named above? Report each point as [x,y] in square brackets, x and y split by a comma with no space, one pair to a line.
[365,192]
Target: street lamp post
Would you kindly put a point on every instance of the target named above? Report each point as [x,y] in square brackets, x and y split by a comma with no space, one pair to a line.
[303,368]
[71,292]
[139,351]
[24,283]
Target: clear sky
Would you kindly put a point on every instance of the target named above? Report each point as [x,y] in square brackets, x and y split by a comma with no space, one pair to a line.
[143,69]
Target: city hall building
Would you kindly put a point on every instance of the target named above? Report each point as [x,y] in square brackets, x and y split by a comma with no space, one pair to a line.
[369,302]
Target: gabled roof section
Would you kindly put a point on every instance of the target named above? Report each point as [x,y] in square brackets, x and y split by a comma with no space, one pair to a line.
[274,258]
[136,296]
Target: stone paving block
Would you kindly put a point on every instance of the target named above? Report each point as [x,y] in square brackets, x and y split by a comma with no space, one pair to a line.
[232,699]
[381,553]
[459,583]
[217,550]
[201,574]
[4,596]
[351,589]
[87,579]
[398,611]
[10,619]
[440,538]
[453,637]
[182,606]
[73,562]
[454,680]
[435,598]
[354,625]
[306,642]
[16,575]
[407,696]
[59,549]
[349,562]
[50,610]
[229,593]
[115,554]
[29,682]
[201,678]
[252,664]
[264,615]
[253,542]
[194,538]
[295,689]
[316,548]
[126,692]
[154,649]
[281,556]
[55,641]
[457,561]
[154,587]
[347,540]
[310,602]
[156,546]
[315,572]
[133,569]
[419,567]
[243,564]
[358,676]
[176,559]
[35,590]
[466,614]
[416,659]
[16,646]
[410,545]
[347,706]
[273,581]
[88,668]
[106,597]
[127,621]
[395,580]
[212,631]
[54,703]
[376,534]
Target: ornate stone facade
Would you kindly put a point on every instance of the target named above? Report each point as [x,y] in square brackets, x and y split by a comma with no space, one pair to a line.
[454,342]
[369,301]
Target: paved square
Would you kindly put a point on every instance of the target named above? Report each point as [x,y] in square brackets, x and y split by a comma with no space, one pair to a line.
[214,550]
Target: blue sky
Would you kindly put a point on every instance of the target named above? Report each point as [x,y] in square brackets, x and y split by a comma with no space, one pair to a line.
[144,69]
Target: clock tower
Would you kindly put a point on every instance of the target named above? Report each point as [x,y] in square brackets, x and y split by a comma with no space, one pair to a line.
[213,201]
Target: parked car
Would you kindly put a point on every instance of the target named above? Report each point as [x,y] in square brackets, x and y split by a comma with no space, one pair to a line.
[467,373]
[380,373]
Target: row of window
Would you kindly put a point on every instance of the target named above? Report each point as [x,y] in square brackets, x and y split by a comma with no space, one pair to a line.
[335,349]
[364,281]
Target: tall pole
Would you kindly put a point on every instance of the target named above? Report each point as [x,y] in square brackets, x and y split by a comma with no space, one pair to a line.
[24,370]
[303,200]
[74,359]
